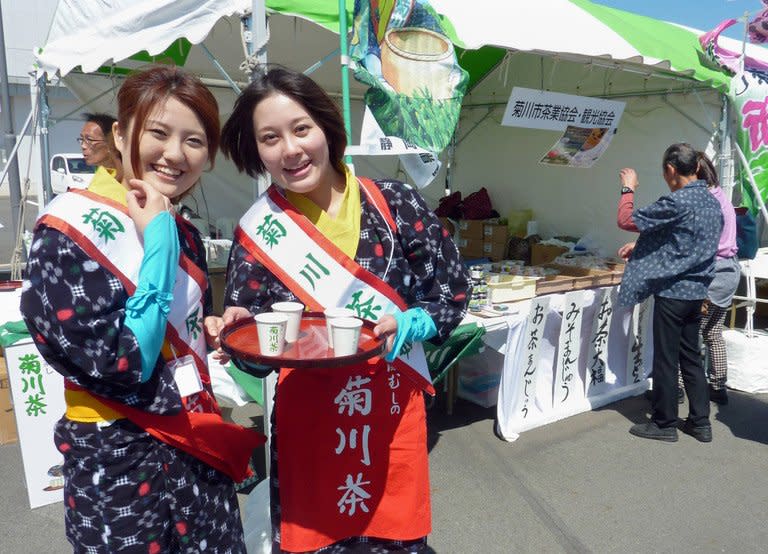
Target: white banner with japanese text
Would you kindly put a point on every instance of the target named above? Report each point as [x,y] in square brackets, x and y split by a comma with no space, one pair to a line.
[568,384]
[597,358]
[554,111]
[38,403]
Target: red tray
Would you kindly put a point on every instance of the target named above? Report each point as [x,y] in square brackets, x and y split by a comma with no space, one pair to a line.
[9,285]
[241,341]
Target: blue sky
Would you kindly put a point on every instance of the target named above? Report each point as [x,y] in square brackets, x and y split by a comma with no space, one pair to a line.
[702,14]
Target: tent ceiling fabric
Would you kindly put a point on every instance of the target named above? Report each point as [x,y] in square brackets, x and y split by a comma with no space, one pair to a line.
[575,29]
[88,34]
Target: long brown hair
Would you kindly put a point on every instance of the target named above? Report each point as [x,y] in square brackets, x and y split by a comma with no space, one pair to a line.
[144,90]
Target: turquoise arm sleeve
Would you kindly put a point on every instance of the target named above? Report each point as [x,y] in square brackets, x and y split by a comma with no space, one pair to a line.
[413,325]
[146,312]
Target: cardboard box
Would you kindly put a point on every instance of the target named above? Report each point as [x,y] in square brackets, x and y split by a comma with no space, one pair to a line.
[495,233]
[8,432]
[470,248]
[545,253]
[494,250]
[471,228]
[448,224]
[585,277]
[558,283]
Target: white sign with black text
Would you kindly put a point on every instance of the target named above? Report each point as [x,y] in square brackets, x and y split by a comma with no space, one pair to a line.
[555,111]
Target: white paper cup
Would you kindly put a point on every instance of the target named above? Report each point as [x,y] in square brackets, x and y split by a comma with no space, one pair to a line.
[331,313]
[293,310]
[270,327]
[346,335]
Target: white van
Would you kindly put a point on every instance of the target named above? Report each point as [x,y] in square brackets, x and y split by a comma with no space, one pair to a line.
[69,171]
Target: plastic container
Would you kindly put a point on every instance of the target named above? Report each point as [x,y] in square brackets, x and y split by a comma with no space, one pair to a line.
[518,288]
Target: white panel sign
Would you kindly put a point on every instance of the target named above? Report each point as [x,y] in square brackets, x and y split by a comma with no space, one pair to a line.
[534,334]
[638,334]
[597,360]
[554,111]
[38,403]
[568,387]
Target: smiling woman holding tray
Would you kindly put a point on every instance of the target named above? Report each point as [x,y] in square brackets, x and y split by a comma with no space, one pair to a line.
[324,237]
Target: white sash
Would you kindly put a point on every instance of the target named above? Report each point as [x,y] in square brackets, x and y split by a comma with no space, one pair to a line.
[104,231]
[319,275]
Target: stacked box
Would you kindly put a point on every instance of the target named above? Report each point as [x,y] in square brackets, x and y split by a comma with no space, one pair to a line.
[495,241]
[545,253]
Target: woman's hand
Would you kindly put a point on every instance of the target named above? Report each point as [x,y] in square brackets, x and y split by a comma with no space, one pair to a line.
[628,178]
[213,326]
[234,313]
[144,203]
[387,326]
[626,251]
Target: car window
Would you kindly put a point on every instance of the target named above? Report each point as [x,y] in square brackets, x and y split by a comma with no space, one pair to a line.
[58,163]
[78,165]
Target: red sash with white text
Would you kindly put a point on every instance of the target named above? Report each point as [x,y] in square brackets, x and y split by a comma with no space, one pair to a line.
[360,468]
[103,229]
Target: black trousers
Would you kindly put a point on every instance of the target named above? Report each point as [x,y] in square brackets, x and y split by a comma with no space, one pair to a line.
[676,344]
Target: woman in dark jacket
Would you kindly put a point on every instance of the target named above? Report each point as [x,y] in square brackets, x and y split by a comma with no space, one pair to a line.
[673,260]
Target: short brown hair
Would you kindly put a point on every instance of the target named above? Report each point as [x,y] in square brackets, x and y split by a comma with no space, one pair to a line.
[143,90]
[238,141]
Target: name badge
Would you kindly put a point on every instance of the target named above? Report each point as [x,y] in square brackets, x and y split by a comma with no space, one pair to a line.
[186,375]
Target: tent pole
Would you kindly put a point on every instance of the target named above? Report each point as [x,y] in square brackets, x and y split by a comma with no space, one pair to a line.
[344,73]
[220,69]
[15,148]
[725,168]
[9,137]
[257,33]
[45,150]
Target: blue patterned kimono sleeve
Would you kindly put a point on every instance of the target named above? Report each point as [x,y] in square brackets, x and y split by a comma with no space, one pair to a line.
[662,213]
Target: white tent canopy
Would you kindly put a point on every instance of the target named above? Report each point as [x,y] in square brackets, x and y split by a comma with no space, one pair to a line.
[551,44]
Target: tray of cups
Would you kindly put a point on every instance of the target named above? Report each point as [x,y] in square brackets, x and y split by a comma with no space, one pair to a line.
[290,337]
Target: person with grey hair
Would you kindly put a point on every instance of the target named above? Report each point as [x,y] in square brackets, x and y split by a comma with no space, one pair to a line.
[673,260]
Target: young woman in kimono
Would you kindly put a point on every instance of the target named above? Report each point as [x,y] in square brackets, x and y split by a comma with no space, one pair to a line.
[115,297]
[348,444]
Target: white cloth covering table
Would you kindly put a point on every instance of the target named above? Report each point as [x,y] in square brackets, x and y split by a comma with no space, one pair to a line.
[559,360]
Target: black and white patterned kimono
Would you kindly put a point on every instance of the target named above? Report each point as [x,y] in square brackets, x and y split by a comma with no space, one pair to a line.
[421,263]
[124,490]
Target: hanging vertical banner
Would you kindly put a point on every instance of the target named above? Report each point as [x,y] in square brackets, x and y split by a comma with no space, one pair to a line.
[568,386]
[534,333]
[597,359]
[416,85]
[748,95]
[518,387]
[639,331]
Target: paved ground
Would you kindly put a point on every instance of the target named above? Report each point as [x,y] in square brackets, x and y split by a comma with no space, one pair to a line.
[579,485]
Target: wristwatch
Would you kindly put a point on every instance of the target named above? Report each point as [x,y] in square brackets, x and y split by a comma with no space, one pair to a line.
[626,190]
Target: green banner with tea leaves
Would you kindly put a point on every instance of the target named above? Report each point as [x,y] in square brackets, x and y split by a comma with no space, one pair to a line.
[416,84]
[749,97]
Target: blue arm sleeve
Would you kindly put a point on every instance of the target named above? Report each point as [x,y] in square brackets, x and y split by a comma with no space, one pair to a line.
[413,325]
[146,312]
